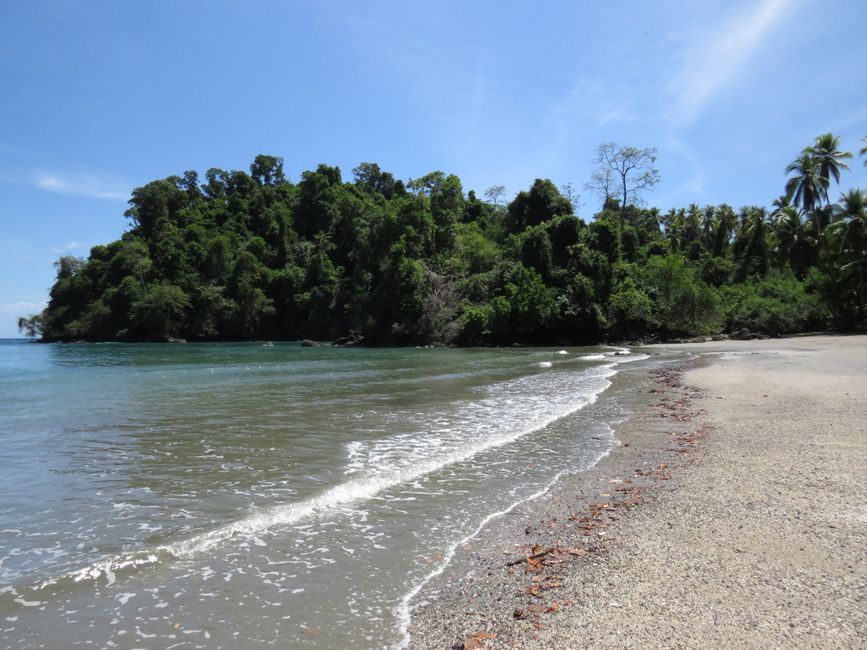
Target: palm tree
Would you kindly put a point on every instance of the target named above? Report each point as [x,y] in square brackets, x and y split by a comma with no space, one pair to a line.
[726,222]
[851,229]
[864,150]
[708,225]
[792,238]
[677,231]
[750,249]
[782,201]
[852,206]
[829,159]
[692,222]
[804,187]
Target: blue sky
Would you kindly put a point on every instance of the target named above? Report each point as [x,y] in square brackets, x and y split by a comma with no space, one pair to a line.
[100,97]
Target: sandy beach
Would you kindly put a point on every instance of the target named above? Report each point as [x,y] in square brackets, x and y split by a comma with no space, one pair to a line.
[732,515]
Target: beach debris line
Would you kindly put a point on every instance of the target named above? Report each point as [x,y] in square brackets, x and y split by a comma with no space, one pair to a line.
[534,573]
[623,494]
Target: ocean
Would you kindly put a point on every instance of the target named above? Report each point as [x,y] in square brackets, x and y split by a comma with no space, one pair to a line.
[255,496]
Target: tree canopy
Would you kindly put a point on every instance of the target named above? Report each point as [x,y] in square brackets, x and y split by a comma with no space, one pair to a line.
[252,255]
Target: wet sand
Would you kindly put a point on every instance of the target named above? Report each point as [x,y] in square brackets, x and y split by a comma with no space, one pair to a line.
[733,514]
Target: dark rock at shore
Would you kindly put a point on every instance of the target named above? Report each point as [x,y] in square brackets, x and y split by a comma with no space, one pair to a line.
[744,334]
[348,341]
[309,343]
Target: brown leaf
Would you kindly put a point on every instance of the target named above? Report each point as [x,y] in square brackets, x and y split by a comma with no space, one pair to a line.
[477,641]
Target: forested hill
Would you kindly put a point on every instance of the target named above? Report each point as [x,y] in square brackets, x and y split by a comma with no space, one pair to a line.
[255,256]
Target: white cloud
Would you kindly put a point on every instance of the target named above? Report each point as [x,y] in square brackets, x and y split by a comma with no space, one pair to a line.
[715,62]
[90,185]
[591,102]
[615,115]
[15,307]
[69,246]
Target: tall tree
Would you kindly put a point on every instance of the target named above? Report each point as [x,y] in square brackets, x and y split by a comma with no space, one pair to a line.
[624,173]
[267,170]
[791,238]
[494,193]
[805,186]
[829,160]
[726,223]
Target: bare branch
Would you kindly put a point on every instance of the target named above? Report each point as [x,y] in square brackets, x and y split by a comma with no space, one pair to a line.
[495,192]
[623,172]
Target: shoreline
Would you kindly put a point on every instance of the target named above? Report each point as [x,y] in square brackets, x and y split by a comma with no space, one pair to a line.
[679,555]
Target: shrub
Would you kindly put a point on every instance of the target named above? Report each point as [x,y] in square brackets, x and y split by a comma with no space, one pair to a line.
[777,305]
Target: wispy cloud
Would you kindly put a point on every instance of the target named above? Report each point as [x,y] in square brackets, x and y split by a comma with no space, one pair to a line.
[68,246]
[615,115]
[86,184]
[19,307]
[592,103]
[715,62]
[591,109]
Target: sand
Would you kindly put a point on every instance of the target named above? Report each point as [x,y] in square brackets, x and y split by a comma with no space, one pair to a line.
[737,520]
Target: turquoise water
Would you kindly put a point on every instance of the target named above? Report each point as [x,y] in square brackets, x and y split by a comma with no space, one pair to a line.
[243,495]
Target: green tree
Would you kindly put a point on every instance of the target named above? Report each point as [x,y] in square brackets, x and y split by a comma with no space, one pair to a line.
[161,313]
[31,326]
[851,233]
[812,172]
[792,239]
[829,160]
[682,303]
[541,203]
[370,178]
[267,170]
[726,222]
[805,185]
[751,248]
[525,307]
